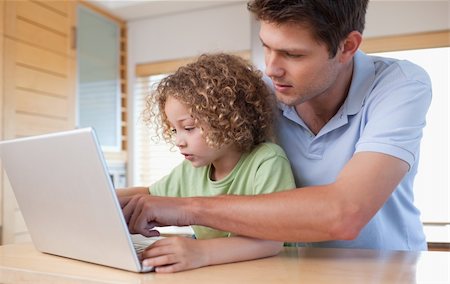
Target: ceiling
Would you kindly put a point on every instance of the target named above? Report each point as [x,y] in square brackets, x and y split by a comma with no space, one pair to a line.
[137,9]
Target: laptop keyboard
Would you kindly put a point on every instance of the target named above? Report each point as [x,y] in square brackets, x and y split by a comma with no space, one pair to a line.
[141,242]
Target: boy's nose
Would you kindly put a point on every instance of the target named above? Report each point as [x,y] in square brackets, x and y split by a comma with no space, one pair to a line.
[179,142]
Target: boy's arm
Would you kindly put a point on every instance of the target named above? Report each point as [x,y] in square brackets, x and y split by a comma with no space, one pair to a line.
[178,253]
[240,248]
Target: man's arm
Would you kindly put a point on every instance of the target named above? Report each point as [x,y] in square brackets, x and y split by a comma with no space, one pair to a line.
[337,211]
[130,191]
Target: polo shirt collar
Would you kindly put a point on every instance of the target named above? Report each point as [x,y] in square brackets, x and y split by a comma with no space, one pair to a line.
[362,81]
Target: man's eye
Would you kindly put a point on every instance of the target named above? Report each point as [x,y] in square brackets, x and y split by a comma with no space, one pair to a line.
[291,55]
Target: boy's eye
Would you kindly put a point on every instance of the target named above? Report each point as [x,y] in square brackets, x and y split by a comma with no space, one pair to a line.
[189,128]
[173,131]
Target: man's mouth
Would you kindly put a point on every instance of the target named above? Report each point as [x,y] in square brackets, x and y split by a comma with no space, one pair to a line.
[281,86]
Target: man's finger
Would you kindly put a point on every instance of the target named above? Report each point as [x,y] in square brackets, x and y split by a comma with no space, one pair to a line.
[151,233]
[135,209]
[141,222]
[128,209]
[123,200]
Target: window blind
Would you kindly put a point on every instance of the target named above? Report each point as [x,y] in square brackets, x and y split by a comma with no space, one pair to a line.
[153,158]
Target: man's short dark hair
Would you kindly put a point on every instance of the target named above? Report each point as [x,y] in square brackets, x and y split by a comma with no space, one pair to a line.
[330,20]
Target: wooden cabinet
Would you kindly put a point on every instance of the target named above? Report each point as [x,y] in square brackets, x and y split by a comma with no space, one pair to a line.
[37,82]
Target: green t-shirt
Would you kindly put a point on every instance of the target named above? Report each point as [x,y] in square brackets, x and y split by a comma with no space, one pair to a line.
[264,170]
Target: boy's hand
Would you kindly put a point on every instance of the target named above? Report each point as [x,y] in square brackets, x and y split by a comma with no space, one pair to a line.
[175,254]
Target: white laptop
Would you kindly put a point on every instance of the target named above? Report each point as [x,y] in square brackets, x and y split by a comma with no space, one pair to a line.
[67,199]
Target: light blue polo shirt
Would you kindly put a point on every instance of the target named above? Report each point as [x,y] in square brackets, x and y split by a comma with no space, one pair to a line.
[384,112]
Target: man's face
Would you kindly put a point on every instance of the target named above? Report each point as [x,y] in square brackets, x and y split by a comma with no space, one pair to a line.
[299,65]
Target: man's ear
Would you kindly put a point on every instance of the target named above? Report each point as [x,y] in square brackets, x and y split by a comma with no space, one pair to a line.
[350,45]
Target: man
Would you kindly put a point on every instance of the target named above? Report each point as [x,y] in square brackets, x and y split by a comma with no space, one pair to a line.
[351,126]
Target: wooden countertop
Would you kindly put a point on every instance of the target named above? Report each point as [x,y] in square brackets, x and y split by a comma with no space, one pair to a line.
[21,263]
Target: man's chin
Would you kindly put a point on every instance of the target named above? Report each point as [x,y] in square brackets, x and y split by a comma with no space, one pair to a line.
[286,99]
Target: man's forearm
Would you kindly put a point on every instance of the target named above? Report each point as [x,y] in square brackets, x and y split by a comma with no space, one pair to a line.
[130,191]
[266,217]
[299,215]
[336,211]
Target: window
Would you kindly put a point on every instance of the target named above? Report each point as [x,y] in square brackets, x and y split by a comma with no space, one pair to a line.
[431,182]
[431,186]
[154,158]
[99,104]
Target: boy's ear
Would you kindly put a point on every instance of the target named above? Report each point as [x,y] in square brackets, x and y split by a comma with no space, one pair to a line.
[350,45]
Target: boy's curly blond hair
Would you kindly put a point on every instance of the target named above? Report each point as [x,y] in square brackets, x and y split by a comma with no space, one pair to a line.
[224,94]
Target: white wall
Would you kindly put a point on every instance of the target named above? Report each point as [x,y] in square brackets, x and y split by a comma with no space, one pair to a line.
[390,17]
[226,28]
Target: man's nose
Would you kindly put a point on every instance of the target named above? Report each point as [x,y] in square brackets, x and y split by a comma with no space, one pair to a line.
[273,65]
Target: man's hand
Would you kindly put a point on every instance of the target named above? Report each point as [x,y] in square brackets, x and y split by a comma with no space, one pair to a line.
[145,212]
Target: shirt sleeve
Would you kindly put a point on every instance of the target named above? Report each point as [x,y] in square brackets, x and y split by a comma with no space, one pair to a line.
[169,185]
[274,174]
[395,116]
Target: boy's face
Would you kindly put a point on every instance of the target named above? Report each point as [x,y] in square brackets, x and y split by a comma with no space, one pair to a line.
[299,65]
[188,137]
